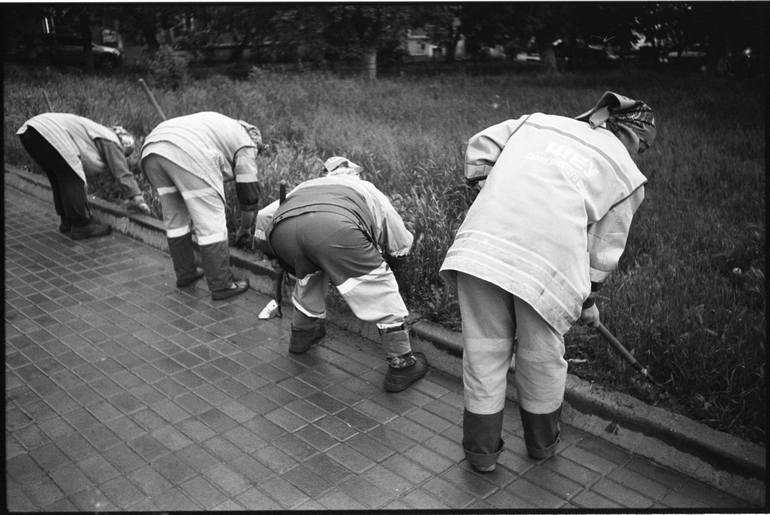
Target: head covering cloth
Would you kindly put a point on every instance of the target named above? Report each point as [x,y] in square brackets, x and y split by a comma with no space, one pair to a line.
[338,165]
[621,114]
[254,134]
[127,140]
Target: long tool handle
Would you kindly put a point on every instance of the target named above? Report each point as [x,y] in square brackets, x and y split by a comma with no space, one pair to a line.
[47,101]
[625,353]
[152,99]
[279,281]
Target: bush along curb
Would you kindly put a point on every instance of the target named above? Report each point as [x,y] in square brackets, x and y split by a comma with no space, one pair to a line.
[726,462]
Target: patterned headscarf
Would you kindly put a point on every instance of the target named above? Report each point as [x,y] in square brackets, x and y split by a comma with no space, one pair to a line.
[622,114]
[254,134]
[127,140]
[338,165]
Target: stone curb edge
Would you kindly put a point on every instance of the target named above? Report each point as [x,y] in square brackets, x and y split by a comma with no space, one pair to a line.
[736,466]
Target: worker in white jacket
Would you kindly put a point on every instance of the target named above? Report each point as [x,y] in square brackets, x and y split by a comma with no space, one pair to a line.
[549,224]
[340,227]
[187,159]
[69,148]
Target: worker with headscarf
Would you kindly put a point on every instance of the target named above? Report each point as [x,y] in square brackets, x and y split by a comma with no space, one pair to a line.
[548,226]
[341,228]
[69,148]
[188,159]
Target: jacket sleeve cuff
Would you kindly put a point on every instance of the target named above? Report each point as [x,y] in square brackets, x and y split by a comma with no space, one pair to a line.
[248,195]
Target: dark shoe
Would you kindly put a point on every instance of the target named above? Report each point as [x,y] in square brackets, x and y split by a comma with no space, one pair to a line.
[236,288]
[302,339]
[183,283]
[90,230]
[65,226]
[399,379]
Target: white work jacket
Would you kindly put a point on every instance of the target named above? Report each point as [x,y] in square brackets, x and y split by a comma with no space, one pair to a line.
[74,138]
[205,144]
[553,215]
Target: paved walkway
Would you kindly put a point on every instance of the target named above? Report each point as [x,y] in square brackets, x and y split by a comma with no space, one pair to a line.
[125,393]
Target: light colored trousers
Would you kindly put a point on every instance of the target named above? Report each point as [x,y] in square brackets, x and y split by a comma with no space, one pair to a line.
[186,198]
[491,318]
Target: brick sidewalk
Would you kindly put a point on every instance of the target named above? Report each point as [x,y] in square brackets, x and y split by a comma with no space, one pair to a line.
[125,393]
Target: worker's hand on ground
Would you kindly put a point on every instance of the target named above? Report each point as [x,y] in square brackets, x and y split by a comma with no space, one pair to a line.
[137,203]
[590,316]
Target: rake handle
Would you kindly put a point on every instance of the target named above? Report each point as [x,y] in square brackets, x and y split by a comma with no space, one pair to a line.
[625,353]
[152,99]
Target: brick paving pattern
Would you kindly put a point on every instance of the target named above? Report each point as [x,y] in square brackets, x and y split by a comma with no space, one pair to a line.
[125,393]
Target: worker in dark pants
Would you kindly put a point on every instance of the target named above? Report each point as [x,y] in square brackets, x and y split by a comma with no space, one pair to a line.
[69,148]
[187,159]
[548,226]
[341,229]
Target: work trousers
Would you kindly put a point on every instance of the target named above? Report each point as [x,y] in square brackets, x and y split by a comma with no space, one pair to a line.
[186,200]
[318,247]
[68,189]
[492,319]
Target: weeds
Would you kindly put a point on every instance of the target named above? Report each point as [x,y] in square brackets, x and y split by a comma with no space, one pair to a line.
[688,299]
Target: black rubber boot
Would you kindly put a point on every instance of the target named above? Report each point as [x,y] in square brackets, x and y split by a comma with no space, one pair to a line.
[481,439]
[90,230]
[182,252]
[216,265]
[65,226]
[399,379]
[541,433]
[302,339]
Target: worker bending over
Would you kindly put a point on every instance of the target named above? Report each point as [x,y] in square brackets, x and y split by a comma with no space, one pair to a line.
[548,226]
[188,159]
[69,148]
[340,227]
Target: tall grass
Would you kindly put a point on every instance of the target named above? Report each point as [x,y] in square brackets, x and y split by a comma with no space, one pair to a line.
[689,297]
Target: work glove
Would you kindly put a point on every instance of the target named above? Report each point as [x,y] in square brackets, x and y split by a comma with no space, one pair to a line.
[244,237]
[137,203]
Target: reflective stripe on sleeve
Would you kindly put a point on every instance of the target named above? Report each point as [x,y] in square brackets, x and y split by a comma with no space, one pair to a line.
[179,231]
[167,190]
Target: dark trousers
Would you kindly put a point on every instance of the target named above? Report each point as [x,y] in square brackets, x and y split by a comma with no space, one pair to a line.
[69,194]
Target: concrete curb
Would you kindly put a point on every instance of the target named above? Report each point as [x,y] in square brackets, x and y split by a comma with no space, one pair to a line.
[726,462]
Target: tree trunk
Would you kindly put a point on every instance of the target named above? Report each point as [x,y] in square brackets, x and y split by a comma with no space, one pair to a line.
[85,32]
[369,63]
[548,58]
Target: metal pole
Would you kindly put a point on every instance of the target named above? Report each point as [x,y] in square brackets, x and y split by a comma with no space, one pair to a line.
[48,101]
[152,99]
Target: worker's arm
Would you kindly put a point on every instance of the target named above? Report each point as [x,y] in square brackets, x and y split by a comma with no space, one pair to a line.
[606,242]
[486,146]
[112,153]
[247,190]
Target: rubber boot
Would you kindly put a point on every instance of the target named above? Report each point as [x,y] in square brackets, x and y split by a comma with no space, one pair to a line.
[216,265]
[65,226]
[89,230]
[481,439]
[541,433]
[182,254]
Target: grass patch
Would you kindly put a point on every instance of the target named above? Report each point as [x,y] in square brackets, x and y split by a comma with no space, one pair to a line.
[689,297]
